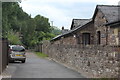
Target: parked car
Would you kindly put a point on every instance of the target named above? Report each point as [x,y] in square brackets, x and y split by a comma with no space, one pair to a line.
[17,53]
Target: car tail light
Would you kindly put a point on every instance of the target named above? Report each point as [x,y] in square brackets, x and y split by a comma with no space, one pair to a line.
[10,50]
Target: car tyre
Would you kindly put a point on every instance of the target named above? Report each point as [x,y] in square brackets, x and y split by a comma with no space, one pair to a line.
[23,61]
[11,61]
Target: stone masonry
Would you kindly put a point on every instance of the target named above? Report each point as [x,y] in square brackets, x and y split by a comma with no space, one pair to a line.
[91,48]
[92,61]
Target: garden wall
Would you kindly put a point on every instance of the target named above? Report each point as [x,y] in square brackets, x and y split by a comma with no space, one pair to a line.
[91,61]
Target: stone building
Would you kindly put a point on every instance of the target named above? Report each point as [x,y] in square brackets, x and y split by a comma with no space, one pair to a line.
[73,36]
[64,30]
[113,33]
[98,30]
[91,47]
[106,14]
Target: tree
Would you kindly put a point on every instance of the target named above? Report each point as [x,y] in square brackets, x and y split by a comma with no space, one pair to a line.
[20,28]
[42,24]
[13,37]
[55,30]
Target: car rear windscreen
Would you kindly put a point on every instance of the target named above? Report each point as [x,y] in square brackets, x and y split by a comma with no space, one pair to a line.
[18,48]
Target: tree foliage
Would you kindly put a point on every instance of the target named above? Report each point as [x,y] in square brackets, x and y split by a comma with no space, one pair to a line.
[20,28]
[13,37]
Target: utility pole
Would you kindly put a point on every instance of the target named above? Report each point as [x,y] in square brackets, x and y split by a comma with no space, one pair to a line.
[52,23]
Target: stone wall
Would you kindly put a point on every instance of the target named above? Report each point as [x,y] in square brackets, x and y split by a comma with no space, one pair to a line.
[95,60]
[109,35]
[67,40]
[99,22]
[88,28]
[114,36]
[91,61]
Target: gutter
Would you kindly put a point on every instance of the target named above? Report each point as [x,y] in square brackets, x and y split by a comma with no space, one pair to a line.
[112,23]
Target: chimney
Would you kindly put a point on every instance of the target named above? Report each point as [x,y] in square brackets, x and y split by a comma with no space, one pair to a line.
[63,28]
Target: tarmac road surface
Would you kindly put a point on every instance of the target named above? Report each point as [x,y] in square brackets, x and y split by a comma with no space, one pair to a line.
[36,67]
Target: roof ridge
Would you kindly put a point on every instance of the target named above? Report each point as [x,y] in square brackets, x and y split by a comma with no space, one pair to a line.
[109,5]
[81,19]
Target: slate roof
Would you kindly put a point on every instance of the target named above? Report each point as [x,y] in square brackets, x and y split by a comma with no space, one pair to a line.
[111,12]
[78,22]
[73,30]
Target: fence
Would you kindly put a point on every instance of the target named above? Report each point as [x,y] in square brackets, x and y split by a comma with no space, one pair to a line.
[3,54]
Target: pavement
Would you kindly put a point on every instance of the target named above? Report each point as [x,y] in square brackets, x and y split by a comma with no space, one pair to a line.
[36,67]
[0,77]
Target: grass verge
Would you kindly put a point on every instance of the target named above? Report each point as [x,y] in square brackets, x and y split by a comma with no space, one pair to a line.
[42,55]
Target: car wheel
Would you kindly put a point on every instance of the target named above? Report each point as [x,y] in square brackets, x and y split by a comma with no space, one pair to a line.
[23,61]
[11,61]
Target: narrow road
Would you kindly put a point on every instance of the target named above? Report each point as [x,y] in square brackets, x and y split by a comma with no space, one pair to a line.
[36,67]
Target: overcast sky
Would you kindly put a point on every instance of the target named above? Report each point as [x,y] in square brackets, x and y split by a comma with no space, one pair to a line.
[61,12]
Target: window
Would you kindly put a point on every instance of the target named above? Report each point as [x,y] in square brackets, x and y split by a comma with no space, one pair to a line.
[78,39]
[86,38]
[18,48]
[98,37]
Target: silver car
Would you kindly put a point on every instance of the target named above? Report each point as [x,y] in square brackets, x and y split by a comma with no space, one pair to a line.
[17,53]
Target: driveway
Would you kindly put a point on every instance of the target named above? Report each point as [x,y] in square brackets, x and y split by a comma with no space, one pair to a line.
[36,67]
